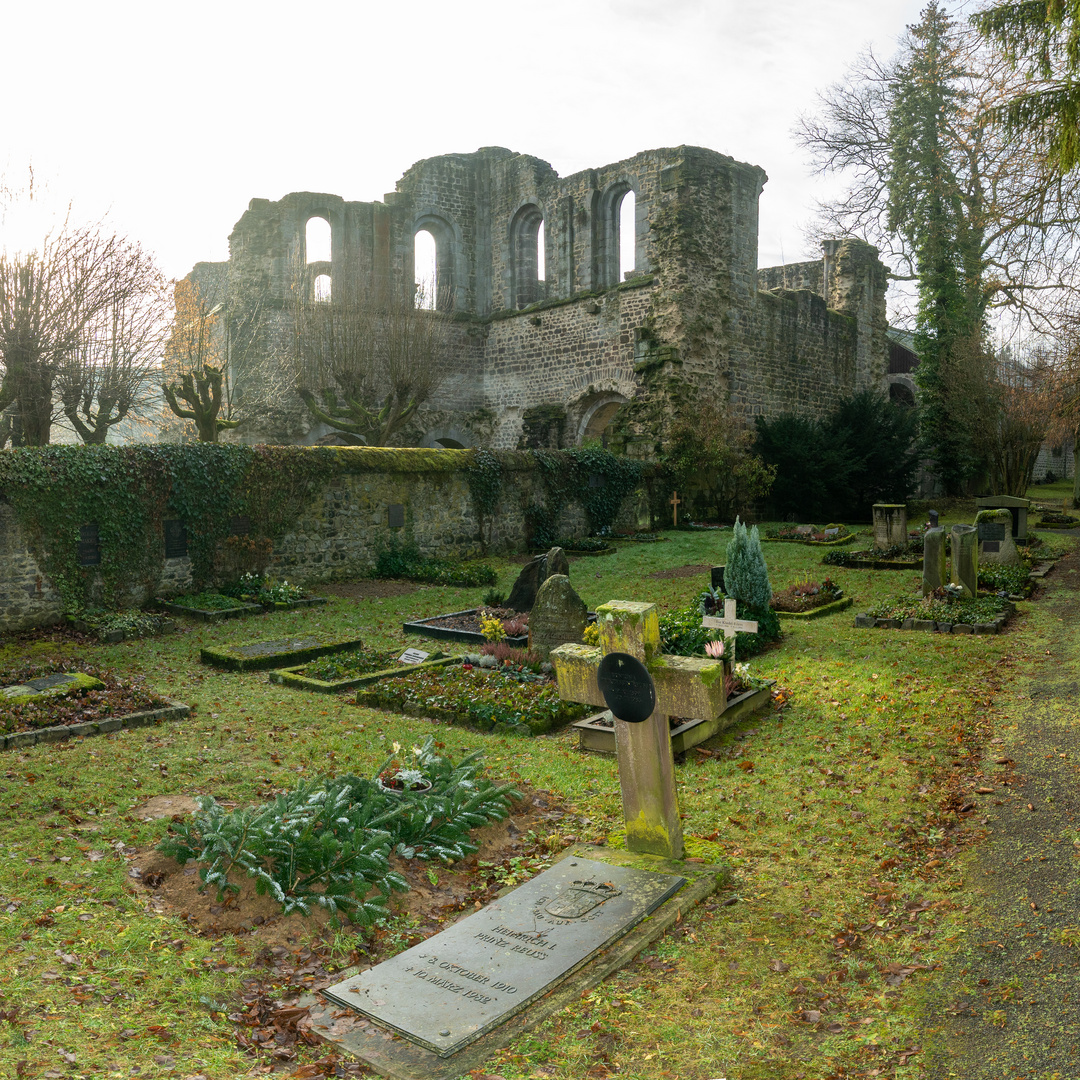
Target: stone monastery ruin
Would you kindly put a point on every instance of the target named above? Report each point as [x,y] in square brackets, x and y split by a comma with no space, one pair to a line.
[550,362]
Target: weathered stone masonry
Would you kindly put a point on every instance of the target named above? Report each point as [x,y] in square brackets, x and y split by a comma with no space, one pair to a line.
[580,342]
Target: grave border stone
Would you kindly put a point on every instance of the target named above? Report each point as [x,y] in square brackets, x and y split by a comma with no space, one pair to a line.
[289,676]
[173,710]
[444,633]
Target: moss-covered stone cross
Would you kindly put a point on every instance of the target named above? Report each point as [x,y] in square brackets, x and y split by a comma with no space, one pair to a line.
[686,686]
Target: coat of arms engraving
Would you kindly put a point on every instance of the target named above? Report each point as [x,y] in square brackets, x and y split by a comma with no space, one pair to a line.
[580,897]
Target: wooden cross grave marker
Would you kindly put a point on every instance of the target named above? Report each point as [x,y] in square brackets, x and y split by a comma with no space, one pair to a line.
[684,685]
[729,624]
[674,502]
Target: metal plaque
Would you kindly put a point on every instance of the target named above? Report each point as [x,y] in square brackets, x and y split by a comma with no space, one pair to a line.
[395,515]
[627,687]
[239,525]
[88,552]
[448,991]
[175,538]
[990,546]
[991,530]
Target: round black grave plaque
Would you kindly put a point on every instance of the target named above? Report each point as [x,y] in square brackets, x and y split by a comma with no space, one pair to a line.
[627,687]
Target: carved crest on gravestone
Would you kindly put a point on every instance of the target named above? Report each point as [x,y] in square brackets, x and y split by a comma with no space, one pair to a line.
[579,898]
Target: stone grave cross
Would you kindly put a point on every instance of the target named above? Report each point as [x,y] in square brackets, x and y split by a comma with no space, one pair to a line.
[685,686]
[729,624]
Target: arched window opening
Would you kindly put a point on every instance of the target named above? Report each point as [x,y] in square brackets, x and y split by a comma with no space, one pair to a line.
[599,424]
[526,257]
[901,395]
[627,235]
[425,269]
[320,288]
[450,444]
[317,240]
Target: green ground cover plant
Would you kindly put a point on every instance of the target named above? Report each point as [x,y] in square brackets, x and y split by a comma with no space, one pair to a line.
[975,609]
[403,560]
[327,842]
[504,698]
[348,665]
[838,812]
[207,600]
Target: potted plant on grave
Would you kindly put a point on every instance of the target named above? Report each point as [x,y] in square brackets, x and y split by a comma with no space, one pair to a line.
[406,773]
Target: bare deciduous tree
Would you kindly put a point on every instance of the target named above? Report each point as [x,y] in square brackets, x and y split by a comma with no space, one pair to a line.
[366,363]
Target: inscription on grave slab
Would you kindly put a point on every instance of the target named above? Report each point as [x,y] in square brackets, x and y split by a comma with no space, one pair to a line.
[991,530]
[448,991]
[413,656]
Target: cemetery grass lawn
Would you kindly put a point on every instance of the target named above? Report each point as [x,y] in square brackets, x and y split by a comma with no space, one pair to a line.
[839,813]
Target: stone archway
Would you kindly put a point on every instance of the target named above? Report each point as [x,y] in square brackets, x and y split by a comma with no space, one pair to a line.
[598,416]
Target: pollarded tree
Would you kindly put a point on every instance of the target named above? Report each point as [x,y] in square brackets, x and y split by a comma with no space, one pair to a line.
[49,299]
[109,375]
[366,361]
[220,372]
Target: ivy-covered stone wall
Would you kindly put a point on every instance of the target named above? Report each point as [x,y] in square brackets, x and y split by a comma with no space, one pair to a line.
[84,526]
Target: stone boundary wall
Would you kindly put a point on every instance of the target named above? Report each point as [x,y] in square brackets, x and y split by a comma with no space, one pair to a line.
[339,532]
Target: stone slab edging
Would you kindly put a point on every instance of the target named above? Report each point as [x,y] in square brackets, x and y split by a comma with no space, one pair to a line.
[842,542]
[289,676]
[818,612]
[226,656]
[446,633]
[600,739]
[931,626]
[174,710]
[240,611]
[390,1055]
[1056,525]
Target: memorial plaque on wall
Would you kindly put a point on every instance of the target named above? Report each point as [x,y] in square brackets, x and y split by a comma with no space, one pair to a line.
[89,551]
[395,515]
[448,991]
[175,538]
[239,525]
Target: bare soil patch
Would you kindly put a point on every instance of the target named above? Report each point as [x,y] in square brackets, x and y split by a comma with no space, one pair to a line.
[366,589]
[690,570]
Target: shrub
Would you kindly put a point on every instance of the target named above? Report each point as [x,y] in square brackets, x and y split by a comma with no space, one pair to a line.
[746,576]
[838,467]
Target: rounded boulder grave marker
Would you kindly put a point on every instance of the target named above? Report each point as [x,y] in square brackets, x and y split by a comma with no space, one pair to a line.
[627,687]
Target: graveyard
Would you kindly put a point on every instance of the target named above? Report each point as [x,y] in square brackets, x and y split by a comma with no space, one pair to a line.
[832,833]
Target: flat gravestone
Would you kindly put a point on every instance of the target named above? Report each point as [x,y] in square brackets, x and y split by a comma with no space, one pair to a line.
[283,652]
[413,656]
[52,685]
[453,988]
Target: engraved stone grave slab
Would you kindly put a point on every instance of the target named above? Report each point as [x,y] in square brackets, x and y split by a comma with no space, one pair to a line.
[448,991]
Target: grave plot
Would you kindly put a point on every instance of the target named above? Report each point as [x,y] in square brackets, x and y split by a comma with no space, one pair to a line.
[811,535]
[247,598]
[467,626]
[504,698]
[584,546]
[358,667]
[809,599]
[48,706]
[116,626]
[276,653]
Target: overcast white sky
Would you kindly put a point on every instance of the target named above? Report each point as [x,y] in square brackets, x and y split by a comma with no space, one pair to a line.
[172,117]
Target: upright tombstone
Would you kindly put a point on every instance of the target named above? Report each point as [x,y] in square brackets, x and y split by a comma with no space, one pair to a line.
[558,615]
[533,574]
[934,573]
[965,558]
[996,543]
[890,525]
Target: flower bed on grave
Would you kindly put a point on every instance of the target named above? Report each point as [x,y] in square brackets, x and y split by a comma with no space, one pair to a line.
[503,699]
[810,599]
[1051,520]
[898,557]
[346,671]
[468,626]
[111,627]
[940,613]
[582,545]
[251,595]
[811,535]
[89,702]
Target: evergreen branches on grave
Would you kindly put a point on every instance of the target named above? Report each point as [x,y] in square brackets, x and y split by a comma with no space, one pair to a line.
[327,843]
